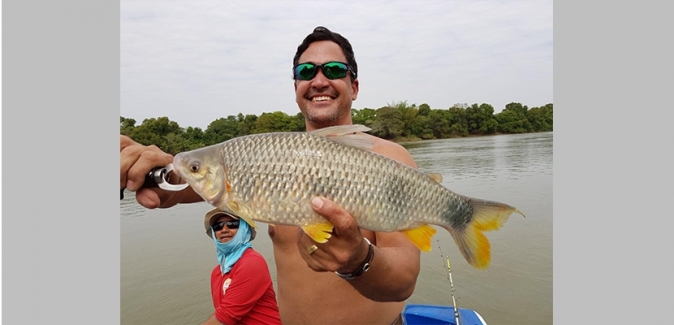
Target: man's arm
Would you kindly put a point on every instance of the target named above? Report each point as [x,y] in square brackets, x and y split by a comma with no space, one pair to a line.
[397,261]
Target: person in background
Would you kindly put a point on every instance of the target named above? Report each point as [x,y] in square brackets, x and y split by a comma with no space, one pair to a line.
[358,276]
[241,286]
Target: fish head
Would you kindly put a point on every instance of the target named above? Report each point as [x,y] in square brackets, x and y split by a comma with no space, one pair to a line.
[203,171]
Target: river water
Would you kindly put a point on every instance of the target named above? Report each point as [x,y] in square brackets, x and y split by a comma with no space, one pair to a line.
[166,258]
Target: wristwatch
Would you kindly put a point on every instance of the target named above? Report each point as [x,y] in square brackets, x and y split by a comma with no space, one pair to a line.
[363,267]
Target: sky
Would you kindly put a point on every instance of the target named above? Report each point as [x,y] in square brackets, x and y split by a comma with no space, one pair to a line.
[197,61]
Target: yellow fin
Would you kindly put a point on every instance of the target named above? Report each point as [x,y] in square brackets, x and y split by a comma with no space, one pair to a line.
[490,215]
[243,212]
[473,244]
[436,177]
[421,237]
[319,232]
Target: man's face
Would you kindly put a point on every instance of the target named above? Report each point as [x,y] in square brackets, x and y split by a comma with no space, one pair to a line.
[325,102]
[224,228]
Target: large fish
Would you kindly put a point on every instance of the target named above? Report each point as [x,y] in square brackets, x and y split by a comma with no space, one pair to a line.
[272,178]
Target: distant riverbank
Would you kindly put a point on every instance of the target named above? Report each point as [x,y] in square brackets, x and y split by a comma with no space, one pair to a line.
[414,138]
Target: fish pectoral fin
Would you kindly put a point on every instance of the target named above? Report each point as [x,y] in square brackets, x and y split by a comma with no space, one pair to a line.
[243,211]
[421,237]
[436,177]
[319,232]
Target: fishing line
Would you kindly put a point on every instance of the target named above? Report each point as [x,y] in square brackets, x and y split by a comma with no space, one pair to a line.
[457,317]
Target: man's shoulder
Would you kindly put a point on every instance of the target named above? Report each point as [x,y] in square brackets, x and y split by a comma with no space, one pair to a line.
[392,150]
[387,144]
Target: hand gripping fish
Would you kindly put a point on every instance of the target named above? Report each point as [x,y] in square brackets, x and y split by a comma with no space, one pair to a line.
[272,178]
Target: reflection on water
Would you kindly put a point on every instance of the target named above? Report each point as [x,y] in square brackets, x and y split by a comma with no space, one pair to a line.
[166,258]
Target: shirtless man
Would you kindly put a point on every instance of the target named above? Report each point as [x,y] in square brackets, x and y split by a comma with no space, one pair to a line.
[309,290]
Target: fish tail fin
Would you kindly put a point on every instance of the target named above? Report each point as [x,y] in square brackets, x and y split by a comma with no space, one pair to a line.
[473,244]
[319,232]
[421,237]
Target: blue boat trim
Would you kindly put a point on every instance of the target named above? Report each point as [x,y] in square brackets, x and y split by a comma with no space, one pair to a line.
[415,314]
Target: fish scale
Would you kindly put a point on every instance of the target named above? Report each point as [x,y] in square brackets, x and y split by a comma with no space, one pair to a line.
[272,178]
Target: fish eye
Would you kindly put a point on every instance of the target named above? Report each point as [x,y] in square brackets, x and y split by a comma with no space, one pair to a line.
[194,167]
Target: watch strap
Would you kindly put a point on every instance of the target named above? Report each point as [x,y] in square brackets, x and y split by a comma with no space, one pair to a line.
[364,267]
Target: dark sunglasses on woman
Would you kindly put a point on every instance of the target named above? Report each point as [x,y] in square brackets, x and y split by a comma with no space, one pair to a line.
[231,224]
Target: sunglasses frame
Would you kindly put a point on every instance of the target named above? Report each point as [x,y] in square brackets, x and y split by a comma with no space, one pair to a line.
[229,223]
[322,67]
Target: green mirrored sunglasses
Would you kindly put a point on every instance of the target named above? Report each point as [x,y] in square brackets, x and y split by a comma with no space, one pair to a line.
[331,70]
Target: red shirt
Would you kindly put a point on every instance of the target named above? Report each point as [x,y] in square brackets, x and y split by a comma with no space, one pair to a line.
[246,294]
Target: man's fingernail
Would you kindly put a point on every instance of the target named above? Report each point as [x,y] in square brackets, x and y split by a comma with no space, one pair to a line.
[129,184]
[317,202]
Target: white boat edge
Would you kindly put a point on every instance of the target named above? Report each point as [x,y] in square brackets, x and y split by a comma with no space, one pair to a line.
[480,317]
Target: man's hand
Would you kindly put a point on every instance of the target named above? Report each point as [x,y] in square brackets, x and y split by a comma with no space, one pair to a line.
[345,250]
[136,161]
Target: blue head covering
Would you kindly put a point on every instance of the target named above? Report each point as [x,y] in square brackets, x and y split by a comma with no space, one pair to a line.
[230,252]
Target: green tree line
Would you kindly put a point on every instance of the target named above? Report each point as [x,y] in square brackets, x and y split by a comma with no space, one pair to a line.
[397,122]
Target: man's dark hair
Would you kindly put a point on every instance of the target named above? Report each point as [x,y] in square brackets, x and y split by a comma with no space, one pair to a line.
[321,33]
